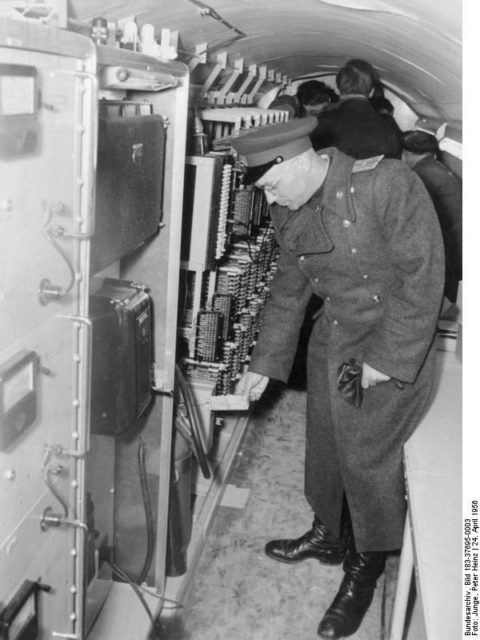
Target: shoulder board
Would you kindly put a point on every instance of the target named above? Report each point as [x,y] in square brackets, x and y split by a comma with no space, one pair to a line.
[366,164]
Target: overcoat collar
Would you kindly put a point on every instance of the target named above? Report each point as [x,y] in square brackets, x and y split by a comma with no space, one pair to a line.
[338,185]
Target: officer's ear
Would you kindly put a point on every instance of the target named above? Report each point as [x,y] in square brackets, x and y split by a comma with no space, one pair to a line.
[304,162]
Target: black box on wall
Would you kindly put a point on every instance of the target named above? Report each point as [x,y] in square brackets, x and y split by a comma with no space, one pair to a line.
[121,316]
[130,168]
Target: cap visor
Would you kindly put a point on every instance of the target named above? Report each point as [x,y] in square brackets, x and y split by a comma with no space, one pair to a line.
[255,173]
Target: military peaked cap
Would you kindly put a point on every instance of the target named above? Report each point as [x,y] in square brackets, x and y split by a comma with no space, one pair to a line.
[273,144]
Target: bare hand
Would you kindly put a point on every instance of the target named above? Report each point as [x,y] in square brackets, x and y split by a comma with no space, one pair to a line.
[371,377]
[251,385]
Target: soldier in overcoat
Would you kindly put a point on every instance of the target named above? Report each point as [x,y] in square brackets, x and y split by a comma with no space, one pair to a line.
[420,152]
[362,235]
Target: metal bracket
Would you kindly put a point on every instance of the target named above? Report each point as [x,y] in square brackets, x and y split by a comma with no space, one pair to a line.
[262,76]
[237,70]
[252,74]
[221,64]
[200,56]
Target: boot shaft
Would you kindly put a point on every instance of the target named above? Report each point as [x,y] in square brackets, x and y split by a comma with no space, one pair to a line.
[364,568]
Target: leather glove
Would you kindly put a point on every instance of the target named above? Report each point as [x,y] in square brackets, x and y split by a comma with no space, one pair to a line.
[349,378]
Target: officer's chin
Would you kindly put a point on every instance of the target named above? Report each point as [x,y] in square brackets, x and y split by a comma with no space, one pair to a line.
[288,204]
[293,206]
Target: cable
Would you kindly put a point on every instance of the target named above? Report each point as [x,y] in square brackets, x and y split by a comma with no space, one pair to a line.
[49,291]
[176,605]
[121,574]
[193,421]
[46,471]
[148,511]
[206,10]
[125,578]
[50,235]
[250,251]
[185,297]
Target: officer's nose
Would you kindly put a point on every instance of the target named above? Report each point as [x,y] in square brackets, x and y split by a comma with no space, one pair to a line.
[270,197]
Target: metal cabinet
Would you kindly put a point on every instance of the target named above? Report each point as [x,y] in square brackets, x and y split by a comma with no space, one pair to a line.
[48,133]
[63,487]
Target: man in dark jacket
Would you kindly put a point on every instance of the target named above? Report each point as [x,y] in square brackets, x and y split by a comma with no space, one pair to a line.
[375,256]
[353,125]
[314,96]
[420,152]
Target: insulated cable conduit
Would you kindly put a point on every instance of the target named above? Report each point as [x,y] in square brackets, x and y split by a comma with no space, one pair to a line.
[147,503]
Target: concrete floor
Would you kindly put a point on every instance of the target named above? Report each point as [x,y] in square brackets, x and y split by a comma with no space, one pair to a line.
[237,592]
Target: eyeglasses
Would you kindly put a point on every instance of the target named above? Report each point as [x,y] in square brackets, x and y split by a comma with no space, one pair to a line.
[270,188]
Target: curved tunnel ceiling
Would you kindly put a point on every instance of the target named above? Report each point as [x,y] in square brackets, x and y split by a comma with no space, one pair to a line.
[415,44]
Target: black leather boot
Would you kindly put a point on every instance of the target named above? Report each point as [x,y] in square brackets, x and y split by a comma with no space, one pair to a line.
[317,543]
[355,595]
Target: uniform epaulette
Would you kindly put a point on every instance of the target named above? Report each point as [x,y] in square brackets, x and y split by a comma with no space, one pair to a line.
[366,164]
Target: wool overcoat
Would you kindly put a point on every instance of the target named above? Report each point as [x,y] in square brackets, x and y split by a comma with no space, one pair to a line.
[445,189]
[369,244]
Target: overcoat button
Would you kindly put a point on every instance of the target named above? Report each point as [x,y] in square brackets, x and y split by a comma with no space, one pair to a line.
[339,195]
[353,250]
[365,276]
[327,299]
[301,259]
[376,298]
[335,322]
[346,223]
[315,279]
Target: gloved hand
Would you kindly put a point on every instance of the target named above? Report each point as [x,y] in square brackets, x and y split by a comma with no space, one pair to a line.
[349,378]
[353,378]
